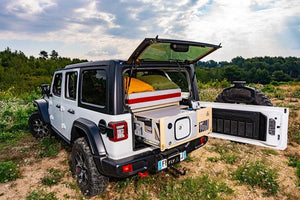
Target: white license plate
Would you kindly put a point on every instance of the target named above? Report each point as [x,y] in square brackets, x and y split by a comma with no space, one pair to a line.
[163,164]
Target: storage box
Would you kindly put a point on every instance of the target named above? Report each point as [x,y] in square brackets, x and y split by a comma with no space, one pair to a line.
[149,99]
[171,126]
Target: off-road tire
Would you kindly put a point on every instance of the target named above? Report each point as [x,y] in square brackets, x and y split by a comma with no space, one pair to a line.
[239,94]
[37,127]
[83,167]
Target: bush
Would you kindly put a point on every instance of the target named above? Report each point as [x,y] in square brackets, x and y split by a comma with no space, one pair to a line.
[257,174]
[8,171]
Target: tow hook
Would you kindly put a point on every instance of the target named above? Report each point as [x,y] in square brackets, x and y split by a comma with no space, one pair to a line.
[143,175]
[182,173]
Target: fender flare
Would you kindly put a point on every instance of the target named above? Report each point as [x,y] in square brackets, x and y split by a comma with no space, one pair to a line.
[42,106]
[92,134]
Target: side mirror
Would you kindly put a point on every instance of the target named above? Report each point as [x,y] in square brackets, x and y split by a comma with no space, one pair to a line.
[46,90]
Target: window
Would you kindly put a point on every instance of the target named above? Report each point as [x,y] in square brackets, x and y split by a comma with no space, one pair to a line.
[71,85]
[94,87]
[180,79]
[57,84]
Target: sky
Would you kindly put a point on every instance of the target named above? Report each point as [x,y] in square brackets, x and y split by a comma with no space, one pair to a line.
[112,29]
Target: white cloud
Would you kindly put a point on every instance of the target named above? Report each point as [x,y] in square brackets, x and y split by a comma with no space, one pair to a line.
[246,28]
[28,8]
[91,12]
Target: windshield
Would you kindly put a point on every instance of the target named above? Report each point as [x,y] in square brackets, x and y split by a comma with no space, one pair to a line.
[173,52]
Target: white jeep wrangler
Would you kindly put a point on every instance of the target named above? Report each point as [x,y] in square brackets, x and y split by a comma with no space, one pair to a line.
[125,118]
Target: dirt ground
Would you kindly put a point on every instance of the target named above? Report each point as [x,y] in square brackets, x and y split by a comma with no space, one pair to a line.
[32,170]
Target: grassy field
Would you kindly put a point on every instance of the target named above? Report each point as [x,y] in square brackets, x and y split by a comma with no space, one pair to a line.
[31,169]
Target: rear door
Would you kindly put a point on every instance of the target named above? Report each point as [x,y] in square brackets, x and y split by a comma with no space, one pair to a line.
[154,50]
[69,102]
[259,125]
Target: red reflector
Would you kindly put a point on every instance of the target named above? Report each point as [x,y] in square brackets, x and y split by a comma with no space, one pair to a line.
[202,140]
[127,168]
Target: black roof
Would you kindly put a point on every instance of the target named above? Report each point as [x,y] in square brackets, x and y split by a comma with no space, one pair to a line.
[92,63]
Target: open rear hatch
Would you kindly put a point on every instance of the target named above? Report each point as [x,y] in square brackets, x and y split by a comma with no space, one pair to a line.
[159,119]
[154,50]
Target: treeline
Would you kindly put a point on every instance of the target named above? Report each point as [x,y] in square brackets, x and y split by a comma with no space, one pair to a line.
[253,70]
[22,74]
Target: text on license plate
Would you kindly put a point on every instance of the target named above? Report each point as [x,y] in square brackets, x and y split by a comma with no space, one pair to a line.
[163,164]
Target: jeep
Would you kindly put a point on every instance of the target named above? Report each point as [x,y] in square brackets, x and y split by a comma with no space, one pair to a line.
[125,118]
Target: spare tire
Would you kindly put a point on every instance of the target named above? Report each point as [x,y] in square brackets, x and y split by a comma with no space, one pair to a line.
[240,93]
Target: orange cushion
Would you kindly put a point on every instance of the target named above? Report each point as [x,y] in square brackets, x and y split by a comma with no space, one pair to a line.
[136,85]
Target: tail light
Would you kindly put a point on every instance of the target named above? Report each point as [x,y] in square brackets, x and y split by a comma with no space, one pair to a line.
[127,168]
[119,130]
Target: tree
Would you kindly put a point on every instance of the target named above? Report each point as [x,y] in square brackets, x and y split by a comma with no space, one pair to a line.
[54,55]
[233,73]
[239,61]
[281,76]
[43,54]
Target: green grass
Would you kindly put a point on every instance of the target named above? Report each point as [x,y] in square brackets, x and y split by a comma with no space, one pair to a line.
[293,161]
[294,131]
[41,195]
[298,172]
[213,159]
[166,187]
[53,177]
[194,188]
[9,171]
[229,158]
[270,152]
[258,174]
[48,147]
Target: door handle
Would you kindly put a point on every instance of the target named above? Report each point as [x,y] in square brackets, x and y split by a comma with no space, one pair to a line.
[71,111]
[57,106]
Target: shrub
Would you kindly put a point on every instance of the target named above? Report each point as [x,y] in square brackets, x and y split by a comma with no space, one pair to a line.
[257,174]
[8,171]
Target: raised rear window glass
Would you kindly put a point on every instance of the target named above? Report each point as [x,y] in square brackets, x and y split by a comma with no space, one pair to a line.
[165,52]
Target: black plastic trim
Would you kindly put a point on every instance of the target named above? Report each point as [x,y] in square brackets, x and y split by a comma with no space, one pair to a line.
[42,106]
[98,108]
[92,134]
[143,162]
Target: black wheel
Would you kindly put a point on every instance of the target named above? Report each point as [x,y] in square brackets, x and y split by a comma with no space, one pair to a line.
[243,95]
[37,127]
[88,178]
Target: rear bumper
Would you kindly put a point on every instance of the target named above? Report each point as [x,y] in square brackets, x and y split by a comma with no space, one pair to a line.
[143,162]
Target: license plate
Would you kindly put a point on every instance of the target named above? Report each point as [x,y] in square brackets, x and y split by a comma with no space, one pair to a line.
[163,164]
